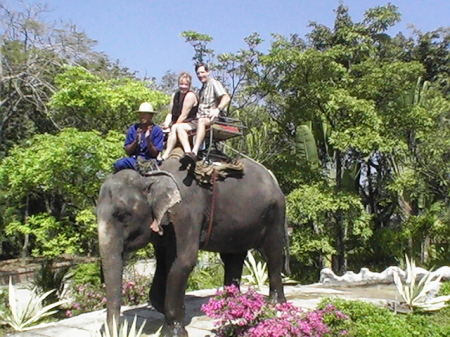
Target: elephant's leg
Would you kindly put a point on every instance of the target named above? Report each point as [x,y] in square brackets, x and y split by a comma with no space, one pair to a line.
[233,264]
[111,251]
[158,288]
[180,269]
[273,251]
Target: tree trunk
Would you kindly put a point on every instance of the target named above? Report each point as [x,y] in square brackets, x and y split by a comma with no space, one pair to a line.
[341,247]
[425,250]
[341,231]
[26,239]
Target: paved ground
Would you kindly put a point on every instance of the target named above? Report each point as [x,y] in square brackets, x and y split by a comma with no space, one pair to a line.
[197,324]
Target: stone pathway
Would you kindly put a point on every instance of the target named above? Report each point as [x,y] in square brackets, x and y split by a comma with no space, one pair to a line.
[197,324]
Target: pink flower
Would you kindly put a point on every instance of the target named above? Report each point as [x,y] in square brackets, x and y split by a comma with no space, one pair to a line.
[247,315]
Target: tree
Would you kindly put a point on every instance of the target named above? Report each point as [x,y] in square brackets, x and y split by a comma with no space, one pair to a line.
[32,53]
[240,72]
[87,101]
[199,42]
[50,187]
[346,85]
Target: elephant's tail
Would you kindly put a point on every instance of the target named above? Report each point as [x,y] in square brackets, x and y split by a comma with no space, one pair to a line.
[287,268]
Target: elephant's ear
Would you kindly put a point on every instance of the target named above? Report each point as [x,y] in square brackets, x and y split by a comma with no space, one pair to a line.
[163,193]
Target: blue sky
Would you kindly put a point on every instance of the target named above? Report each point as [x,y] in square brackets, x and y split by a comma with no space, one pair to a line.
[145,34]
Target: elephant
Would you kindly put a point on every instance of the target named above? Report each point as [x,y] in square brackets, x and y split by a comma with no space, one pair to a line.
[231,216]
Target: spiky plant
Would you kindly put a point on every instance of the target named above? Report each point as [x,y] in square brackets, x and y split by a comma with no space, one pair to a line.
[123,330]
[420,294]
[258,271]
[24,312]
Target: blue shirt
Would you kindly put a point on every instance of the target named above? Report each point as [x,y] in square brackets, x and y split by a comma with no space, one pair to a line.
[157,138]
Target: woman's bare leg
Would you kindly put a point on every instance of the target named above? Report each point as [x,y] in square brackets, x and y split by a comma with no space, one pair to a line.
[182,132]
[171,141]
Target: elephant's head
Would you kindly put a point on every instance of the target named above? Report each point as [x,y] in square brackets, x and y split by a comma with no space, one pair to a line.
[127,204]
[144,199]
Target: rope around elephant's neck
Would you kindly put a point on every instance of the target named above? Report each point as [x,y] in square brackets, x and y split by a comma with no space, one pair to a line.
[211,213]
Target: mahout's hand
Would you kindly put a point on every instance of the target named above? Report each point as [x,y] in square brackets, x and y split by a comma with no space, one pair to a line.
[139,135]
[148,132]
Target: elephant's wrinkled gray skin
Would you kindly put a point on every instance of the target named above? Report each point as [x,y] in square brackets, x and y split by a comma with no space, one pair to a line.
[249,212]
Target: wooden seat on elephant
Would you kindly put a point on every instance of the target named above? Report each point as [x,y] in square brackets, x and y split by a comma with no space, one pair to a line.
[221,129]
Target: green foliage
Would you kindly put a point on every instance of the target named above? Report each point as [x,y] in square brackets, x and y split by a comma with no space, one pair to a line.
[87,273]
[147,252]
[309,208]
[50,242]
[207,274]
[101,104]
[382,249]
[48,277]
[199,42]
[34,51]
[91,297]
[445,289]
[25,311]
[370,320]
[261,141]
[305,145]
[86,298]
[4,296]
[55,181]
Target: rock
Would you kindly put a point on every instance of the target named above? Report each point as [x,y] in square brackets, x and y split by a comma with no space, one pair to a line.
[366,277]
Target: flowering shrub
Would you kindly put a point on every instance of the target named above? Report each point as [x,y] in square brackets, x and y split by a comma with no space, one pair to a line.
[248,315]
[135,292]
[88,297]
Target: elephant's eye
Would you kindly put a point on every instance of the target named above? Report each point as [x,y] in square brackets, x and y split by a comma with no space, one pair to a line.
[122,216]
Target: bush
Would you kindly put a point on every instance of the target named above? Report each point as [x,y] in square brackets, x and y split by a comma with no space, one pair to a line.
[369,320]
[89,297]
[248,315]
[87,273]
[135,292]
[445,289]
[207,274]
[48,278]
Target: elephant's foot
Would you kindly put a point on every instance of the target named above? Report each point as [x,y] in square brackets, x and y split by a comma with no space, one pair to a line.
[175,329]
[276,297]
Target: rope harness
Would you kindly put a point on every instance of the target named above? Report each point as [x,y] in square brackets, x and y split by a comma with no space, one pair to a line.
[211,213]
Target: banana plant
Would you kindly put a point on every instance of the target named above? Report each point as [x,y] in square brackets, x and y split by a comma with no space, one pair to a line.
[305,145]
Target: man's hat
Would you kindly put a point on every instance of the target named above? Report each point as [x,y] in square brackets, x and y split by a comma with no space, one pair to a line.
[146,107]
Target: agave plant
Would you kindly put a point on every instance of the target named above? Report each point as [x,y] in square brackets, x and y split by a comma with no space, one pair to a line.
[123,330]
[258,271]
[26,311]
[422,294]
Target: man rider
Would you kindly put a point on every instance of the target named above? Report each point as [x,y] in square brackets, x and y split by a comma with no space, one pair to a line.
[213,99]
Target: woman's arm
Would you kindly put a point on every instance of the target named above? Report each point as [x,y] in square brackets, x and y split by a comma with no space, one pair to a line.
[168,120]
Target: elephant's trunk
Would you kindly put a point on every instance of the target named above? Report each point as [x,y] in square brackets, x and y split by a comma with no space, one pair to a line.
[111,251]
